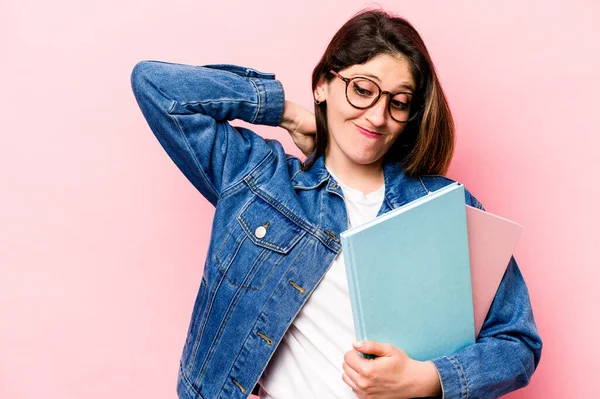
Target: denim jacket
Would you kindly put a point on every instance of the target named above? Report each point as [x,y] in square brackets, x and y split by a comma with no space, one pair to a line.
[276,232]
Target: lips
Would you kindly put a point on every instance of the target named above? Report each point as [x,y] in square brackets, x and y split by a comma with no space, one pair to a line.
[369,133]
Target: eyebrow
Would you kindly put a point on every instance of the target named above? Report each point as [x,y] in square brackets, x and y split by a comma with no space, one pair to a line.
[403,85]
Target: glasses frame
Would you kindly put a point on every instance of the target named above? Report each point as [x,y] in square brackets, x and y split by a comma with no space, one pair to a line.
[381,93]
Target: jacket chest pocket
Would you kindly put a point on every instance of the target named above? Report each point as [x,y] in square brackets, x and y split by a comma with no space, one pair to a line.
[257,244]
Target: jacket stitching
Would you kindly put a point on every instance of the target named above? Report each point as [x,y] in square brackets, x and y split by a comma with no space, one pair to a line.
[291,320]
[269,244]
[389,204]
[202,102]
[188,382]
[259,166]
[215,291]
[321,207]
[258,95]
[299,186]
[208,307]
[256,266]
[189,149]
[253,270]
[314,231]
[262,313]
[462,374]
[295,174]
[277,205]
[238,241]
[212,297]
[229,235]
[423,185]
[224,269]
[219,332]
[232,189]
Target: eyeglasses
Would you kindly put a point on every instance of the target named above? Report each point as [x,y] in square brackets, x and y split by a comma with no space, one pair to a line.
[363,93]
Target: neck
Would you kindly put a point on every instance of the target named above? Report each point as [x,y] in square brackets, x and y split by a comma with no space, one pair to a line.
[365,178]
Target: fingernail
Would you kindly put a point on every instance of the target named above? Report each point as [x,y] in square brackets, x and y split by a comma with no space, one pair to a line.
[358,344]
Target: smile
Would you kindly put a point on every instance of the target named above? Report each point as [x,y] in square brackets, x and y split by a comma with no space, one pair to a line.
[369,133]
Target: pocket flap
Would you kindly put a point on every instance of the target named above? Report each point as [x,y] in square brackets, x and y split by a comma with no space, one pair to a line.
[268,227]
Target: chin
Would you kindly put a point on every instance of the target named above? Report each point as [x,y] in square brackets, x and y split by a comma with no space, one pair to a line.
[364,159]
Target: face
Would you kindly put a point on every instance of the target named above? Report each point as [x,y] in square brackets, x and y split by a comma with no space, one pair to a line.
[363,136]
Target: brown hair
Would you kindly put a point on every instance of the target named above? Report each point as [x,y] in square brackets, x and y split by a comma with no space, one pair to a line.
[427,142]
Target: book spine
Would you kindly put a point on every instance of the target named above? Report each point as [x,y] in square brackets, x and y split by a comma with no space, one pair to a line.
[465,228]
[354,290]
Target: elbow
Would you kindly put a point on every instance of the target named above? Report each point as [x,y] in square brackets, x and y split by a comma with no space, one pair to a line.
[147,77]
[536,349]
[531,353]
[531,343]
[519,369]
[140,78]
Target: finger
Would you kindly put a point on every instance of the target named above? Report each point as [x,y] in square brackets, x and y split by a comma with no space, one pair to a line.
[352,374]
[363,372]
[349,382]
[356,362]
[359,394]
[374,348]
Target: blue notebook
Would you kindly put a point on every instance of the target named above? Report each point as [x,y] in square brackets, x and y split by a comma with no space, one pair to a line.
[409,276]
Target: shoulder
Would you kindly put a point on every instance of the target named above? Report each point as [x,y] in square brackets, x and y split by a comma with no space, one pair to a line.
[277,168]
[294,164]
[435,182]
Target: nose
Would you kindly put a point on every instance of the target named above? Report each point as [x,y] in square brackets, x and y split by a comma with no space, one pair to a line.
[377,113]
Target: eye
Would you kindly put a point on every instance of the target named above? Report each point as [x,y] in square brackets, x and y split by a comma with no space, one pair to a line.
[399,105]
[401,102]
[364,88]
[361,91]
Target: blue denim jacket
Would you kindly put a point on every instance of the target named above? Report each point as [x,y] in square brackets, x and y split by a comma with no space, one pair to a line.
[254,284]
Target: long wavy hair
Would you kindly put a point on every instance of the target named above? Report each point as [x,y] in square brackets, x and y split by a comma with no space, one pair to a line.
[427,143]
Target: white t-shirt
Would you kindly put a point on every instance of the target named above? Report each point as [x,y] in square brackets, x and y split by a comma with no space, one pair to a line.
[308,361]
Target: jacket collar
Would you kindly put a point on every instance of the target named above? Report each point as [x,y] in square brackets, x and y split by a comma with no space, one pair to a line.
[399,188]
[313,177]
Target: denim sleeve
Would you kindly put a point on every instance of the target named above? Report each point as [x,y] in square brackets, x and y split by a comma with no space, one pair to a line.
[507,350]
[188,108]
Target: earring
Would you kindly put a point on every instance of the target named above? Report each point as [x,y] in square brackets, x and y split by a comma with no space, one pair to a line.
[317,98]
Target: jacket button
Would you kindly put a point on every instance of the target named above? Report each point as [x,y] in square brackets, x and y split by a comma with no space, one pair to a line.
[260,231]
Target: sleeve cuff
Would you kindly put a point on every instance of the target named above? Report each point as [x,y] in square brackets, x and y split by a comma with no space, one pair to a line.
[271,100]
[452,378]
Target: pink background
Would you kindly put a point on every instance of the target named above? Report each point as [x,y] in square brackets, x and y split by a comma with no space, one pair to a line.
[103,239]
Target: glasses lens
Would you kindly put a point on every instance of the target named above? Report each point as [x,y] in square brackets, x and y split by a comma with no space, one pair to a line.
[362,92]
[400,106]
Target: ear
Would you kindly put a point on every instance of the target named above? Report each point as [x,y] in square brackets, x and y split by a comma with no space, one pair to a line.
[320,92]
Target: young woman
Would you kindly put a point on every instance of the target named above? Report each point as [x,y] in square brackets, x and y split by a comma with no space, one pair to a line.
[273,305]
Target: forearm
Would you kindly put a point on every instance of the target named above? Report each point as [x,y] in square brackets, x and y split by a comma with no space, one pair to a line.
[222,92]
[289,119]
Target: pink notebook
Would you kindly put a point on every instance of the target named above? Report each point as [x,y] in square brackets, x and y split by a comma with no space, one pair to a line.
[492,240]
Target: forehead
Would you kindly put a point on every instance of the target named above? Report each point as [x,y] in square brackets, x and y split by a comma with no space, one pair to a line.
[390,72]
